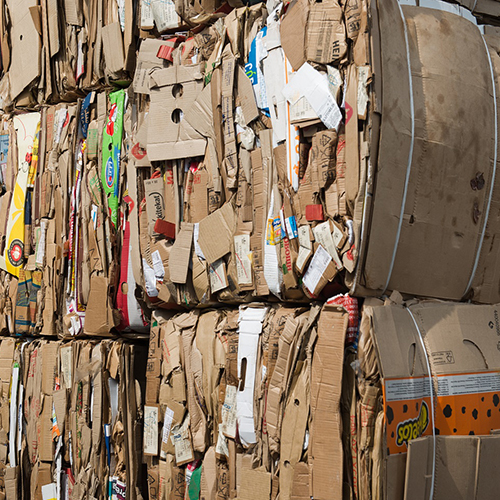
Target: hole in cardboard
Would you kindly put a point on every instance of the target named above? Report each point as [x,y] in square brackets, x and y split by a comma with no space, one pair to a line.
[124,288]
[474,348]
[412,219]
[296,402]
[243,373]
[286,463]
[177,90]
[177,115]
[411,357]
[20,37]
[110,146]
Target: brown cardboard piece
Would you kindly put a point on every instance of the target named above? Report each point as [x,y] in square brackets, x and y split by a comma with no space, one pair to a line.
[325,35]
[26,45]
[293,31]
[300,486]
[99,319]
[221,223]
[246,96]
[465,467]
[147,61]
[322,157]
[112,41]
[255,485]
[325,447]
[180,254]
[293,428]
[173,92]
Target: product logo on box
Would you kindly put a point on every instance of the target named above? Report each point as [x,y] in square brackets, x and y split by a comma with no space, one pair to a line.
[110,172]
[138,151]
[110,126]
[15,253]
[413,428]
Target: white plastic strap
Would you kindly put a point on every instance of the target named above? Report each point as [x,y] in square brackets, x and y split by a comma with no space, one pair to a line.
[493,176]
[431,388]
[474,8]
[410,154]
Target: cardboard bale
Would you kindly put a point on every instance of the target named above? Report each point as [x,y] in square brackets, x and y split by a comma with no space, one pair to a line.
[236,421]
[421,363]
[464,262]
[57,389]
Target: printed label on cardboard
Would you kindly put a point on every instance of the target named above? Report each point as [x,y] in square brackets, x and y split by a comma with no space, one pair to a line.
[151,430]
[167,425]
[243,256]
[316,269]
[182,443]
[465,403]
[218,277]
[229,414]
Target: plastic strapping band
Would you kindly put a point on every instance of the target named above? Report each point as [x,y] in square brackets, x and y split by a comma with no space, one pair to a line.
[492,185]
[410,154]
[474,8]
[431,388]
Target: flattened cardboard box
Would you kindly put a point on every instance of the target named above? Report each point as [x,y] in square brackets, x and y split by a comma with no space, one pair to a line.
[173,92]
[465,467]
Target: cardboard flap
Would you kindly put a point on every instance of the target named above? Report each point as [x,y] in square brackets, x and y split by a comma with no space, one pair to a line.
[180,254]
[25,46]
[461,347]
[459,337]
[147,61]
[112,41]
[246,96]
[216,233]
[99,317]
[200,114]
[36,15]
[293,30]
[325,447]
[175,75]
[398,347]
[464,467]
[170,135]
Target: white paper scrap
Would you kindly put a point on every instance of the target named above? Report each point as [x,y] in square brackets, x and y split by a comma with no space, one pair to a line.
[312,85]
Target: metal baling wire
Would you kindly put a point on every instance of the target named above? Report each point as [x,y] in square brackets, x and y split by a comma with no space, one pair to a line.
[410,154]
[493,176]
[431,387]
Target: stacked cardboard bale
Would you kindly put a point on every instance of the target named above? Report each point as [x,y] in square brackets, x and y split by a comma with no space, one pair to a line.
[244,403]
[318,163]
[54,50]
[71,422]
[422,398]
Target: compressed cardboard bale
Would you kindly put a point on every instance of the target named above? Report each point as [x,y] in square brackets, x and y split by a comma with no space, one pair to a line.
[426,359]
[457,224]
[213,351]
